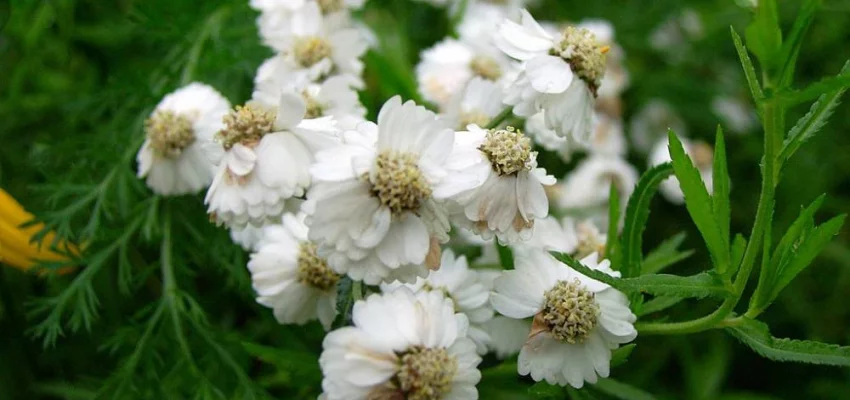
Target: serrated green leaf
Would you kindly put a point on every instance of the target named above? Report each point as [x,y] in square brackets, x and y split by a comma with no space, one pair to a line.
[756,335]
[637,213]
[699,285]
[612,243]
[815,90]
[620,390]
[659,303]
[620,355]
[805,253]
[791,48]
[720,185]
[699,204]
[807,126]
[666,254]
[749,70]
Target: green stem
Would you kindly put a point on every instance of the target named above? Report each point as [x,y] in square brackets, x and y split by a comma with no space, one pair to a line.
[772,133]
[357,290]
[498,119]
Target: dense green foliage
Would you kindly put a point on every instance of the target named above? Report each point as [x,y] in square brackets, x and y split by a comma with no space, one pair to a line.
[162,306]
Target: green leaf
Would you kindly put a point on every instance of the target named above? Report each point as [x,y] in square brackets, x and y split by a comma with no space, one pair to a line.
[506,256]
[620,390]
[612,244]
[720,185]
[739,246]
[805,253]
[543,390]
[749,71]
[666,254]
[699,204]
[756,335]
[791,48]
[812,122]
[699,285]
[815,90]
[659,303]
[764,35]
[637,214]
[621,355]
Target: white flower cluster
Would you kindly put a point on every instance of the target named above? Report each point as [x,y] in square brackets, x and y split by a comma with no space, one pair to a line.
[325,199]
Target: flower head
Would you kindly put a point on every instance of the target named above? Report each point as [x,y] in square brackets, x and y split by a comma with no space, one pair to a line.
[173,159]
[402,346]
[577,321]
[268,153]
[561,75]
[510,196]
[395,175]
[290,277]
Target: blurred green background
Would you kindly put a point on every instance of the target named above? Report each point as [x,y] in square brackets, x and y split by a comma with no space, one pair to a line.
[78,77]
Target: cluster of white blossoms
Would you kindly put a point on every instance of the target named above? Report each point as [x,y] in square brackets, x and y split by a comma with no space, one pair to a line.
[330,204]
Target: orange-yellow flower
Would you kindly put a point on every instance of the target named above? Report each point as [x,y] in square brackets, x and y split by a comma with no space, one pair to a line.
[16,246]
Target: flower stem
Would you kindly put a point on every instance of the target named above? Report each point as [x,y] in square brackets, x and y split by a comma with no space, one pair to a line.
[357,290]
[498,119]
[717,319]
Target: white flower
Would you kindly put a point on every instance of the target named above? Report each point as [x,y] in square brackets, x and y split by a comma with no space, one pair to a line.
[650,124]
[507,335]
[248,237]
[560,75]
[291,278]
[564,146]
[173,158]
[606,138]
[402,346]
[478,103]
[446,68]
[461,285]
[736,115]
[375,204]
[511,197]
[267,160]
[335,97]
[551,235]
[702,156]
[315,45]
[577,320]
[586,189]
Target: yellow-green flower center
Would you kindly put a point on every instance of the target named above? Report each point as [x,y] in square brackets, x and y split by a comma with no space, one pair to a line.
[425,373]
[508,150]
[586,56]
[246,124]
[169,133]
[486,67]
[473,117]
[313,270]
[329,6]
[570,312]
[315,109]
[398,183]
[310,50]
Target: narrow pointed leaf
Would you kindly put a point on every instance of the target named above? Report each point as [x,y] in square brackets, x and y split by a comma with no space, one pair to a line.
[694,286]
[807,126]
[612,243]
[756,335]
[637,214]
[666,254]
[720,186]
[764,35]
[699,204]
[791,47]
[739,246]
[749,70]
[811,246]
[659,303]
